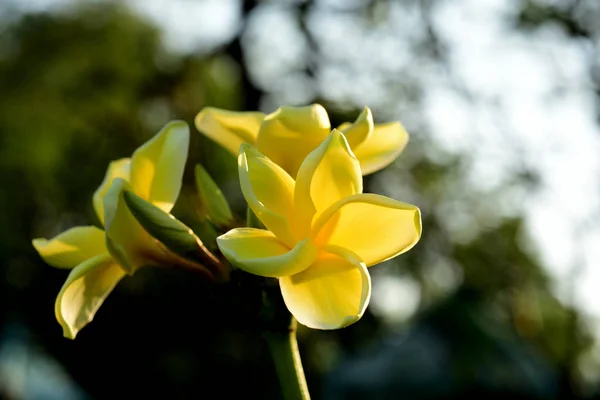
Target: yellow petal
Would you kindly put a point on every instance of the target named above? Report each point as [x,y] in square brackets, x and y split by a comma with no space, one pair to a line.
[328,174]
[333,293]
[259,252]
[126,240]
[269,191]
[360,130]
[374,227]
[84,292]
[229,128]
[116,169]
[382,147]
[71,247]
[157,166]
[287,135]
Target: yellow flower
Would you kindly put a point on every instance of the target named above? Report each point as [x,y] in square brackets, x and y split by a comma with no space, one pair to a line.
[322,232]
[98,260]
[287,135]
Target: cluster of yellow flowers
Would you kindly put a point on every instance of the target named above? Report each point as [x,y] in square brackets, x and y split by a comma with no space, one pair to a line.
[302,180]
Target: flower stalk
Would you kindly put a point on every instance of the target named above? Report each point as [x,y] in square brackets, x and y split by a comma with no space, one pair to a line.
[283,347]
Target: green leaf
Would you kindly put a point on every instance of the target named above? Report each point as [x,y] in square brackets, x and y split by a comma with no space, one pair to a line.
[213,204]
[176,236]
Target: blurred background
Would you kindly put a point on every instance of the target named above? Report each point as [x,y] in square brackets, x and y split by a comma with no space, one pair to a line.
[501,297]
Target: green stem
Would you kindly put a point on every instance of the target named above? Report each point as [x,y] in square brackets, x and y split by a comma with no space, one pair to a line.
[283,347]
[281,339]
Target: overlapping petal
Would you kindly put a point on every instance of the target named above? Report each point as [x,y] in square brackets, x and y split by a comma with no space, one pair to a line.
[287,135]
[71,247]
[328,174]
[383,146]
[229,128]
[116,169]
[157,166]
[333,293]
[360,130]
[374,227]
[260,252]
[84,292]
[126,240]
[269,191]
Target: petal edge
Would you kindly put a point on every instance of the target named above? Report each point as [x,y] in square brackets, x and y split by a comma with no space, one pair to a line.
[269,191]
[288,134]
[126,240]
[157,166]
[259,252]
[333,293]
[329,173]
[71,247]
[229,128]
[116,169]
[383,146]
[374,227]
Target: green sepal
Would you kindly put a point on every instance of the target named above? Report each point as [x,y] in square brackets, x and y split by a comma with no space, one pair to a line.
[213,205]
[172,233]
[252,220]
[208,233]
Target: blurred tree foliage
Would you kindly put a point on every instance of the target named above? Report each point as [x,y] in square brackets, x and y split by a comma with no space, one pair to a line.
[86,86]
[80,89]
[580,19]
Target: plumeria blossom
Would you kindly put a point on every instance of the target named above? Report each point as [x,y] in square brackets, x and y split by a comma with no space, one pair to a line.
[98,259]
[322,232]
[287,135]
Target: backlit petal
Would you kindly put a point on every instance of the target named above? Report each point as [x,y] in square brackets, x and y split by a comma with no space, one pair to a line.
[84,292]
[269,191]
[259,252]
[333,293]
[287,135]
[229,128]
[328,174]
[382,147]
[360,130]
[157,166]
[116,169]
[126,240]
[374,227]
[71,247]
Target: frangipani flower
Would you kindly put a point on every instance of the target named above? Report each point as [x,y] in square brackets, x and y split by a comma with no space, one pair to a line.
[287,135]
[322,232]
[98,260]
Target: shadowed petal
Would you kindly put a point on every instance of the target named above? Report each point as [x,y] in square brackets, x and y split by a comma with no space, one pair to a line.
[84,292]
